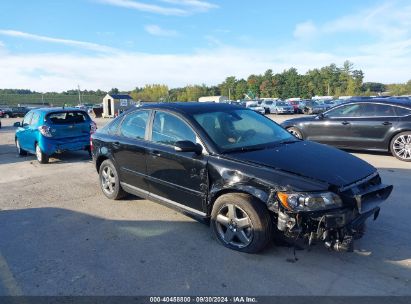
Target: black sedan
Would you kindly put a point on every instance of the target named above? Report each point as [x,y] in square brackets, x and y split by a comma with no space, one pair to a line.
[375,125]
[235,168]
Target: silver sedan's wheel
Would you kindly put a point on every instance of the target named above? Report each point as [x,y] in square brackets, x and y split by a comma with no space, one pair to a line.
[241,222]
[234,226]
[294,131]
[401,146]
[108,180]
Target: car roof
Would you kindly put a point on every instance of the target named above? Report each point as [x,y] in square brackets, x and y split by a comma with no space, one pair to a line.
[57,109]
[192,107]
[391,101]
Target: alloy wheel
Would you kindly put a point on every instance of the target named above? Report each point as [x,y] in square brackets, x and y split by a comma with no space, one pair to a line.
[108,180]
[295,133]
[234,226]
[402,147]
[39,155]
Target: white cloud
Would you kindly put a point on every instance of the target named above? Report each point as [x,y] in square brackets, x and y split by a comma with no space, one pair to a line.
[184,7]
[156,30]
[305,30]
[58,72]
[196,5]
[74,43]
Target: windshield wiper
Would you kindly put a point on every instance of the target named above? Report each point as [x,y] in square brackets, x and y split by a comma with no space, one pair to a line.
[245,149]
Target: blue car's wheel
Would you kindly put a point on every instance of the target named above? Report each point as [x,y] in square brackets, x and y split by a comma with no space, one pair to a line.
[41,157]
[20,151]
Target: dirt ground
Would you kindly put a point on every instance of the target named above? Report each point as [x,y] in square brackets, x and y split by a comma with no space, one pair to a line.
[59,235]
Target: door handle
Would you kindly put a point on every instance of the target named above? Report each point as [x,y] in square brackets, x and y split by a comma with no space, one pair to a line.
[155,153]
[387,123]
[345,123]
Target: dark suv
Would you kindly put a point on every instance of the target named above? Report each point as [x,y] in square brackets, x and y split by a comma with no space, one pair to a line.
[237,168]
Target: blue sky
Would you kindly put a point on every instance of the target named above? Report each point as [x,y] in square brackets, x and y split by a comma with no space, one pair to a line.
[55,45]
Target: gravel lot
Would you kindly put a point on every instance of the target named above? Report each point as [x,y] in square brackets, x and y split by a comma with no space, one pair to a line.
[60,236]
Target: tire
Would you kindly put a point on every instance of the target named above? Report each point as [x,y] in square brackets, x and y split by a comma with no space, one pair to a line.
[42,158]
[110,181]
[6,116]
[296,132]
[20,151]
[400,146]
[233,210]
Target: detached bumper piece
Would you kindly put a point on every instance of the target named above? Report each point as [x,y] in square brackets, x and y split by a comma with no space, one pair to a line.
[338,228]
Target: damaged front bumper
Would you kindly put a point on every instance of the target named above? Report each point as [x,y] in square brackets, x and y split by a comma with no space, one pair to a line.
[337,228]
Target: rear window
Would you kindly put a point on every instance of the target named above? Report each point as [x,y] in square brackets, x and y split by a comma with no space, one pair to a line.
[63,118]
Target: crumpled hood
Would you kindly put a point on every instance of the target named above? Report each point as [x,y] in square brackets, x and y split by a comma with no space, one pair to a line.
[312,160]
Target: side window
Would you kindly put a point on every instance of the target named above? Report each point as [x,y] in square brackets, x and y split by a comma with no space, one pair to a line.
[113,127]
[168,129]
[351,110]
[27,119]
[373,109]
[402,111]
[35,119]
[134,125]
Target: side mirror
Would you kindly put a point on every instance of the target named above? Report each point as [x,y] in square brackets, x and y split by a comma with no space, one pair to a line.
[17,124]
[320,116]
[187,146]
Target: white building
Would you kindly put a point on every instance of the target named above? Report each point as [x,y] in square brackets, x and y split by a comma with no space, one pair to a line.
[212,99]
[115,103]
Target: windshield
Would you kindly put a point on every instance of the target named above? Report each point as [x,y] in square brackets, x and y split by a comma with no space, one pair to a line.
[269,102]
[281,103]
[241,130]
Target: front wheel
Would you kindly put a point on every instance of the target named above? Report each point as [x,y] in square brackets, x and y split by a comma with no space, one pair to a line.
[20,151]
[241,222]
[42,158]
[400,146]
[294,131]
[6,116]
[110,181]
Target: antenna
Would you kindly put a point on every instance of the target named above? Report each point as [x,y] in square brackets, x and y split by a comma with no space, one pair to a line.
[79,95]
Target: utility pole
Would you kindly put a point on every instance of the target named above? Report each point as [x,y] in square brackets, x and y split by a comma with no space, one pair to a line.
[79,95]
[229,93]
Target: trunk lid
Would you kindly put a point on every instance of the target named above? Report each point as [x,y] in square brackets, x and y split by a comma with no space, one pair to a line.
[67,124]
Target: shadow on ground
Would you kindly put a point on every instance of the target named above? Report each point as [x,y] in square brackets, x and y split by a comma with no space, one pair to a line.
[54,251]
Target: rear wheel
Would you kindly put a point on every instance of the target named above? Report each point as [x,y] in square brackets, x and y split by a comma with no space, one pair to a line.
[294,131]
[401,146]
[241,222]
[41,156]
[110,181]
[20,151]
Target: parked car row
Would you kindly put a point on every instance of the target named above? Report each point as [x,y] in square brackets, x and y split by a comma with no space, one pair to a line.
[13,112]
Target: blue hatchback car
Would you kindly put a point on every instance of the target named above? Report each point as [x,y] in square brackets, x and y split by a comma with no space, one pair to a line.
[44,132]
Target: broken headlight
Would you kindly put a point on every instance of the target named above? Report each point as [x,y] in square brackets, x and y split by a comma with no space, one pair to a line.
[306,201]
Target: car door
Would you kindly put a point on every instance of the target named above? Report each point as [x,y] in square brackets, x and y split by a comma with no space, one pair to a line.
[180,178]
[24,132]
[370,129]
[333,127]
[128,148]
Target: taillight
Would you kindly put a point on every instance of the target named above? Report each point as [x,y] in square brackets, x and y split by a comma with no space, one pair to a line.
[45,131]
[93,127]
